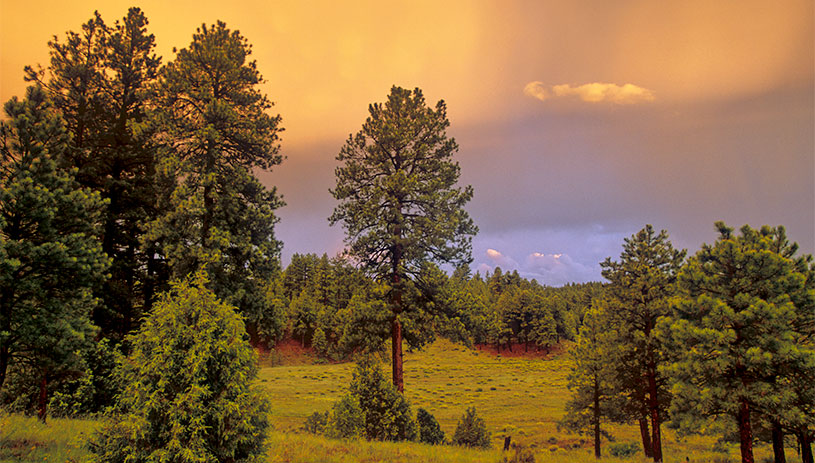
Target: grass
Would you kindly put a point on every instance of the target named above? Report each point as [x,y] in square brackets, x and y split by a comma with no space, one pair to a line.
[26,439]
[519,397]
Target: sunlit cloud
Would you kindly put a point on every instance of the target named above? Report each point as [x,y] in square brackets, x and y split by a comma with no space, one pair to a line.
[498,259]
[536,89]
[596,92]
[556,269]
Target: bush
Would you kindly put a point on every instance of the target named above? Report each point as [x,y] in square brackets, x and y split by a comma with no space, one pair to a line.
[623,449]
[317,422]
[520,454]
[187,394]
[386,414]
[429,430]
[347,422]
[472,431]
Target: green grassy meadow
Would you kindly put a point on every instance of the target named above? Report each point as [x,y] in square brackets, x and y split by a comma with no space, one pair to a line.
[518,396]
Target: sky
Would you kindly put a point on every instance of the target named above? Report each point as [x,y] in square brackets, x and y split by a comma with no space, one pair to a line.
[579,122]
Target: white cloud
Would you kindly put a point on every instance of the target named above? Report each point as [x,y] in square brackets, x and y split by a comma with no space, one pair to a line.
[500,260]
[535,89]
[595,92]
[556,269]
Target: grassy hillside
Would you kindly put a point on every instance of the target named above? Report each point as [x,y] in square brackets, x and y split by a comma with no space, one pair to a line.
[521,397]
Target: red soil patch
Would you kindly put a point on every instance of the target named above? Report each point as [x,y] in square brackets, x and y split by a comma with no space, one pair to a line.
[519,350]
[286,352]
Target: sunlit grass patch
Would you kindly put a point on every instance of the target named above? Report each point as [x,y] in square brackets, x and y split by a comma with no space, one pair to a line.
[26,439]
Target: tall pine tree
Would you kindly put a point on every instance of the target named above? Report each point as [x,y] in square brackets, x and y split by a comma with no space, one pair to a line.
[50,258]
[398,199]
[745,304]
[216,131]
[642,285]
[98,80]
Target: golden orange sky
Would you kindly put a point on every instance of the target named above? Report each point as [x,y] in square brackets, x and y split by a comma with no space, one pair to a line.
[326,60]
[578,114]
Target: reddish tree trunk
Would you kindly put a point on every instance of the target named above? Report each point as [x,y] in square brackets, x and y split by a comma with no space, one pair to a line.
[653,403]
[647,448]
[805,440]
[596,418]
[778,443]
[43,399]
[4,358]
[396,339]
[745,432]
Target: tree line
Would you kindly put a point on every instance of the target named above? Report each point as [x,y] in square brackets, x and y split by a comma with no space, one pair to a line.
[332,306]
[721,342]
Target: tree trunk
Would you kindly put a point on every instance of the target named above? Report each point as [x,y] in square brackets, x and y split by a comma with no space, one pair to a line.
[653,404]
[396,339]
[647,448]
[4,358]
[805,440]
[209,203]
[43,399]
[745,432]
[596,418]
[778,442]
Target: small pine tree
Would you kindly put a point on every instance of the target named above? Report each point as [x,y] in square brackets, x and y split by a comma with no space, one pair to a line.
[386,413]
[429,430]
[472,431]
[187,394]
[319,343]
[347,421]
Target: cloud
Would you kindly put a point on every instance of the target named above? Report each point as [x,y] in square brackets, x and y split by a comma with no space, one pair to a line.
[596,92]
[557,269]
[536,89]
[554,269]
[500,260]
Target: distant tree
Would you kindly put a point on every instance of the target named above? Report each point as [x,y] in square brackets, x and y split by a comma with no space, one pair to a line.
[398,201]
[643,284]
[215,132]
[591,379]
[188,393]
[471,431]
[50,258]
[746,302]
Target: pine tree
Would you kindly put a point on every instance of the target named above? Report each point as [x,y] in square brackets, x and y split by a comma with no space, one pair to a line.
[98,81]
[591,379]
[742,299]
[398,201]
[642,285]
[50,259]
[216,131]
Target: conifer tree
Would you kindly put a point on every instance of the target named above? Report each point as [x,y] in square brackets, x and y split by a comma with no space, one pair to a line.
[98,81]
[746,303]
[642,285]
[50,258]
[398,199]
[591,379]
[188,393]
[216,131]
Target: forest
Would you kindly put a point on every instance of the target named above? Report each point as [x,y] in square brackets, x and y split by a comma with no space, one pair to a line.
[142,292]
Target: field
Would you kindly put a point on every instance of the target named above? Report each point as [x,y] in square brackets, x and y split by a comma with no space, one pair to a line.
[517,396]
